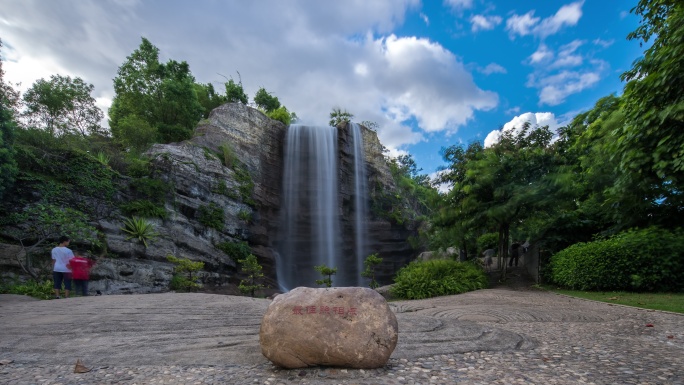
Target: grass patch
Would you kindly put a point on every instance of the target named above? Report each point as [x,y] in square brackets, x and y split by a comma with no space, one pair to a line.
[673,302]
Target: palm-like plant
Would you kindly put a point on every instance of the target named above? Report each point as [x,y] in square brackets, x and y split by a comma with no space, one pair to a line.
[140,229]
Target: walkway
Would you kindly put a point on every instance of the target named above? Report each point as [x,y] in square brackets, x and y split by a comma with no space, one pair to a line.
[494,336]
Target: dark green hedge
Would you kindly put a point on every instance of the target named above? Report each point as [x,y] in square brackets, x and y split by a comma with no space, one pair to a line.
[425,279]
[649,259]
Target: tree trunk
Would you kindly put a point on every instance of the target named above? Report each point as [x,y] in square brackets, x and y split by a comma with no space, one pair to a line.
[504,231]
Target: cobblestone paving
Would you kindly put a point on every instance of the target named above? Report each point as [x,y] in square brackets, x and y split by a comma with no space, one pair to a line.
[494,336]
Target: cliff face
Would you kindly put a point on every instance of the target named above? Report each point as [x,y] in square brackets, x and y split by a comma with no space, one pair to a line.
[232,168]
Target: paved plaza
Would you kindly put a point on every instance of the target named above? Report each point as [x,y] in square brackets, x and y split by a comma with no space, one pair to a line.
[496,336]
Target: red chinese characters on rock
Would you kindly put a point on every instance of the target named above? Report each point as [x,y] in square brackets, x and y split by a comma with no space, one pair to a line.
[336,310]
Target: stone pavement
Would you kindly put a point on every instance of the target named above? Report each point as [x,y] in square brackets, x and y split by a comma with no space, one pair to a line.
[505,335]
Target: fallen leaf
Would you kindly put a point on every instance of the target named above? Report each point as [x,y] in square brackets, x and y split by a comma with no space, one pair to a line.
[80,368]
[649,325]
[670,337]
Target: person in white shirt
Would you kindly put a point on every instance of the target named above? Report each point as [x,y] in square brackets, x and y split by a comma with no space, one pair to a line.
[61,270]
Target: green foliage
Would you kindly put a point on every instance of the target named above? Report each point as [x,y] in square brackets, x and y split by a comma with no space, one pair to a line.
[144,209]
[62,106]
[229,158]
[246,187]
[8,164]
[32,288]
[339,116]
[426,279]
[371,263]
[649,259]
[208,98]
[153,101]
[235,250]
[487,241]
[244,215]
[265,100]
[650,145]
[326,272]
[150,188]
[212,216]
[89,175]
[183,270]
[252,269]
[281,114]
[138,168]
[40,223]
[140,229]
[234,92]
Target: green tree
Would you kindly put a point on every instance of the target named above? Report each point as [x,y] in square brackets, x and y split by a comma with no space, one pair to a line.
[183,270]
[650,145]
[63,105]
[208,97]
[252,269]
[266,101]
[281,114]
[326,272]
[8,164]
[338,116]
[163,95]
[235,93]
[371,263]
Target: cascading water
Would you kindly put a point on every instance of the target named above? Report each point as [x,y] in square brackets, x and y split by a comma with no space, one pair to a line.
[310,228]
[360,201]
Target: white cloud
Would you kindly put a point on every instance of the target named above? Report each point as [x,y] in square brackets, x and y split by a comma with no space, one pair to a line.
[492,68]
[425,18]
[311,55]
[567,15]
[459,4]
[555,88]
[567,56]
[536,119]
[603,43]
[521,25]
[541,55]
[484,23]
[527,24]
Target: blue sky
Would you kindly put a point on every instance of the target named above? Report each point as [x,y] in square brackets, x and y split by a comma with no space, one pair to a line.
[430,73]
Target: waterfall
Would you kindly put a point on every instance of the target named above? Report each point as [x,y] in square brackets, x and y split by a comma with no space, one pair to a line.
[360,201]
[311,224]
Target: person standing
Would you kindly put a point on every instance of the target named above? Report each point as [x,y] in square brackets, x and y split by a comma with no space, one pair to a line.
[80,272]
[515,254]
[488,259]
[61,269]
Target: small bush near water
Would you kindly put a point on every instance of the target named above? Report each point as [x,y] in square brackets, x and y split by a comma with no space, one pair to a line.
[425,279]
[650,259]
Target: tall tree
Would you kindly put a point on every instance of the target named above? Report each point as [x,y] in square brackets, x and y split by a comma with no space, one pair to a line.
[265,100]
[63,105]
[650,144]
[162,95]
[8,165]
[208,97]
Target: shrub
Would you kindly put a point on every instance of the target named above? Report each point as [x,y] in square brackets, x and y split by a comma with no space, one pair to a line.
[211,215]
[235,250]
[145,209]
[488,241]
[251,268]
[371,263]
[139,229]
[182,279]
[40,290]
[326,272]
[151,188]
[650,259]
[425,279]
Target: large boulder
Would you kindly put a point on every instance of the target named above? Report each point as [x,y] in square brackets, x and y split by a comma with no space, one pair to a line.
[350,327]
